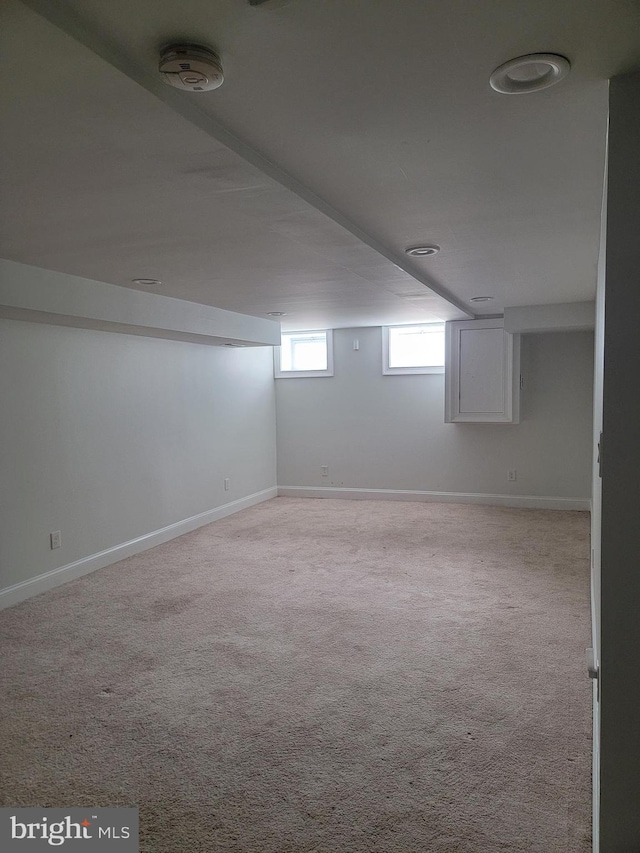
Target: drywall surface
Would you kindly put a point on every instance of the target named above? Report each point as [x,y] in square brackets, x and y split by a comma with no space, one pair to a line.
[45,296]
[620,531]
[107,437]
[564,317]
[388,432]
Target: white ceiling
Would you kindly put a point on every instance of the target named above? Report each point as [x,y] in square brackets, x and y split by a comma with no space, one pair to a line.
[345,131]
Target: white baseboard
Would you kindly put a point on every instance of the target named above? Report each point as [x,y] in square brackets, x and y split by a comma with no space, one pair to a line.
[523,501]
[56,577]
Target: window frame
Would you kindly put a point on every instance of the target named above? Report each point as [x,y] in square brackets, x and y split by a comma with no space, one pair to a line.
[399,371]
[305,374]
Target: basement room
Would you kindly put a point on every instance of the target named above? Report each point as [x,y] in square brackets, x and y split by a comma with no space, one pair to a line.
[318,444]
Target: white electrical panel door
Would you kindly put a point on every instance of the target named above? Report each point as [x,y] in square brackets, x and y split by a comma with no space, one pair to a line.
[482,373]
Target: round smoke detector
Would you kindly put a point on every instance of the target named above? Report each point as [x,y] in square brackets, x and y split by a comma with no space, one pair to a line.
[191,67]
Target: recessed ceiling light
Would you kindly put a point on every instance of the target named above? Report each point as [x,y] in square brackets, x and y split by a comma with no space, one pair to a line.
[276,314]
[529,73]
[481,299]
[148,282]
[422,251]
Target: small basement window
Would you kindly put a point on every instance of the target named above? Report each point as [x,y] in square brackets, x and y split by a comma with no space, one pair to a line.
[303,354]
[413,349]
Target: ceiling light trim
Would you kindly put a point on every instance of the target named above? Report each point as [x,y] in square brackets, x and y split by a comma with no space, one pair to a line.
[426,250]
[530,73]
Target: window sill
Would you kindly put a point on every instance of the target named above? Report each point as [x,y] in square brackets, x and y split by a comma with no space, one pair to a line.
[302,374]
[405,371]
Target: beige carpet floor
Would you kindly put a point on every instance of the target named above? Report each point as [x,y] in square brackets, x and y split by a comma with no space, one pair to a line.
[317,676]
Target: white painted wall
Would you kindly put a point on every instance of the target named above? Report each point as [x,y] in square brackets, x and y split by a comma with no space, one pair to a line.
[107,437]
[388,432]
[563,317]
[44,296]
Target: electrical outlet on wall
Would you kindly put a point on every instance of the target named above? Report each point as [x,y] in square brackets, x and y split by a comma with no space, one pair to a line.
[325,470]
[226,484]
[55,538]
[512,475]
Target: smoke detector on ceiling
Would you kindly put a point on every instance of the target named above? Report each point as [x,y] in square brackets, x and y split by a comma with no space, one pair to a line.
[190,67]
